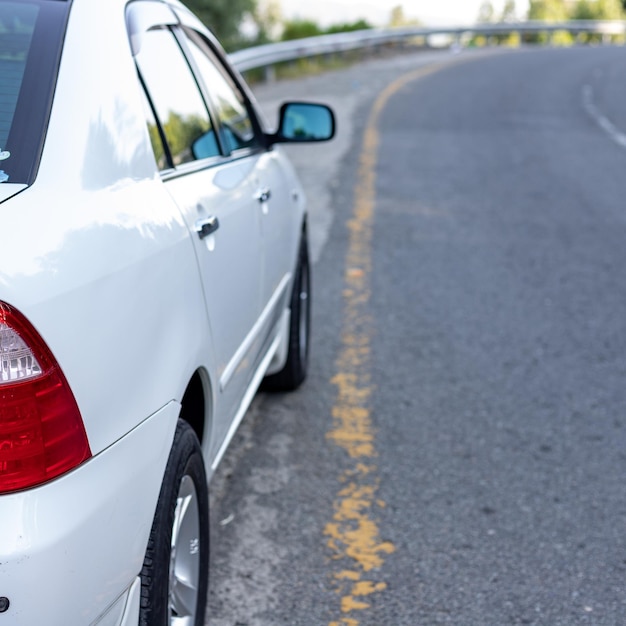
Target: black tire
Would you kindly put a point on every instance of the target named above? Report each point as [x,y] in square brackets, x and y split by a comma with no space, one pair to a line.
[174,580]
[294,372]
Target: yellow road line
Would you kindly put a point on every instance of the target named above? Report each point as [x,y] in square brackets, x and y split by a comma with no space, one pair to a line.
[358,552]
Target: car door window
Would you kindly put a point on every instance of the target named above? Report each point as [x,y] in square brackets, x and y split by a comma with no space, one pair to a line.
[156,137]
[176,101]
[236,127]
[31,36]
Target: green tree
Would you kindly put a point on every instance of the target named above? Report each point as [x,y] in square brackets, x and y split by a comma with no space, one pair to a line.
[598,10]
[551,11]
[509,11]
[548,10]
[584,10]
[610,10]
[398,18]
[486,13]
[268,19]
[509,15]
[223,17]
[298,29]
[181,132]
[348,27]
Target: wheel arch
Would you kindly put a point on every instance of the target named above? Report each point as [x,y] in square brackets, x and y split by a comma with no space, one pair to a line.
[197,406]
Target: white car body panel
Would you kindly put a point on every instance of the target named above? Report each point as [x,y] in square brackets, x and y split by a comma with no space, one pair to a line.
[281,215]
[48,540]
[108,245]
[10,189]
[104,279]
[103,260]
[125,610]
[230,256]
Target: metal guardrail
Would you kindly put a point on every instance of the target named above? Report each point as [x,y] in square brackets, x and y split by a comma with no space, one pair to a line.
[271,54]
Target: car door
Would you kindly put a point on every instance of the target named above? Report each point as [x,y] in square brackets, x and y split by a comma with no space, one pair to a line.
[215,193]
[275,191]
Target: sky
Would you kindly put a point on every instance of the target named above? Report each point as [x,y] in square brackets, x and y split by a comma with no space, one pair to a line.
[377,12]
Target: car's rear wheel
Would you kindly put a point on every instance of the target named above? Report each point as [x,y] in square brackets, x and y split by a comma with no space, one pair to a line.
[174,577]
[294,372]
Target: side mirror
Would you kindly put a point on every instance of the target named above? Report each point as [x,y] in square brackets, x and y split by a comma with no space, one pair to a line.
[205,146]
[303,122]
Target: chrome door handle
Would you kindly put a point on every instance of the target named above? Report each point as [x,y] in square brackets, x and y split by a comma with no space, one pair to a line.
[263,195]
[206,227]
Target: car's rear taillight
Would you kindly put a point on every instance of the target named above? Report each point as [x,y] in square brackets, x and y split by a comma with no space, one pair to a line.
[41,430]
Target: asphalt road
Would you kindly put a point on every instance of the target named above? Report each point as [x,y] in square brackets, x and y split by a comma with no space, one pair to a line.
[457,454]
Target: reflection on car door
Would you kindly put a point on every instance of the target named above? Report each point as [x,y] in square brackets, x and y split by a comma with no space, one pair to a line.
[241,137]
[270,176]
[216,196]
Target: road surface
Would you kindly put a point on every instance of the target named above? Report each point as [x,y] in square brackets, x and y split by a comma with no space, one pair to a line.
[457,454]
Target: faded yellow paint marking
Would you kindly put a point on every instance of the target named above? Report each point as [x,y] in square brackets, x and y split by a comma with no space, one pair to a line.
[353,536]
[348,603]
[345,621]
[365,588]
[352,532]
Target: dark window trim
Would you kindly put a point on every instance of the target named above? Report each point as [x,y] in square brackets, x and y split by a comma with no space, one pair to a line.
[32,114]
[166,147]
[216,57]
[180,39]
[191,167]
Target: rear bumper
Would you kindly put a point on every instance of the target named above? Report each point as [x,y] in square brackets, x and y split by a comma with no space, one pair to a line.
[70,550]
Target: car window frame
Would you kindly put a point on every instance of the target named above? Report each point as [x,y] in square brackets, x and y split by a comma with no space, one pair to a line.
[173,170]
[147,15]
[166,148]
[216,57]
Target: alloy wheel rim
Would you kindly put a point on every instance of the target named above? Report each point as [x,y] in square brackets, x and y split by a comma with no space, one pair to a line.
[185,556]
[304,314]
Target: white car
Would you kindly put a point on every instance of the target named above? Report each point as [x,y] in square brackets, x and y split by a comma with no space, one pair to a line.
[153,273]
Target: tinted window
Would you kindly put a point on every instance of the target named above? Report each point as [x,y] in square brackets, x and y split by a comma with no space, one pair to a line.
[17,24]
[156,139]
[177,102]
[30,43]
[235,124]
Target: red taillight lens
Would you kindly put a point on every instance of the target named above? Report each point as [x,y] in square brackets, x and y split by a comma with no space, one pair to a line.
[41,430]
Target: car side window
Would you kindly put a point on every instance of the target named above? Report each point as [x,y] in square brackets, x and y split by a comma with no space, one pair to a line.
[236,128]
[176,100]
[156,139]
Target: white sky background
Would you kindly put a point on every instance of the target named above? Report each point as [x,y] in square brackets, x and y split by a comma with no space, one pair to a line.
[377,12]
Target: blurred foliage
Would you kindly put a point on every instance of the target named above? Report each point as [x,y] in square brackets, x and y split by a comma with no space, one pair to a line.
[486,12]
[299,29]
[549,10]
[348,27]
[267,19]
[265,24]
[181,132]
[397,18]
[224,18]
[555,11]
[563,10]
[509,12]
[598,10]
